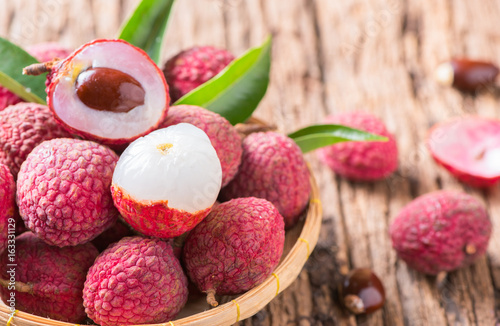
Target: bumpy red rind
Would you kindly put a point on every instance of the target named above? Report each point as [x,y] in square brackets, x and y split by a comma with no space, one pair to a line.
[57,276]
[441,232]
[7,205]
[135,281]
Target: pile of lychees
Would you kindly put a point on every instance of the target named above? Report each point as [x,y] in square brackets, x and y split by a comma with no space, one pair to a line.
[109,165]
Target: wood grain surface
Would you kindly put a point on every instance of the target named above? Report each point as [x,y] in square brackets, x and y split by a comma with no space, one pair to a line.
[333,56]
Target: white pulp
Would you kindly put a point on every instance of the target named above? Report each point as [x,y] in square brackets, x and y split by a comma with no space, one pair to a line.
[177,164]
[106,124]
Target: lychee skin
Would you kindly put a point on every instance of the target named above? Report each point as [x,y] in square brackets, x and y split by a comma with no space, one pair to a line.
[8,98]
[272,167]
[22,127]
[361,161]
[155,219]
[441,231]
[57,275]
[236,247]
[47,51]
[63,191]
[135,281]
[193,67]
[223,136]
[7,204]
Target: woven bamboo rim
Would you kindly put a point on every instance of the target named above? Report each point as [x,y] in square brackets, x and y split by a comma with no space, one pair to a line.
[241,307]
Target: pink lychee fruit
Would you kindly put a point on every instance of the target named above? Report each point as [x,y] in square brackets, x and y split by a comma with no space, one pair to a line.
[113,234]
[222,134]
[63,191]
[166,182]
[108,91]
[135,281]
[8,98]
[362,161]
[441,231]
[48,280]
[469,148]
[22,127]
[236,247]
[272,167]
[7,205]
[47,51]
[192,67]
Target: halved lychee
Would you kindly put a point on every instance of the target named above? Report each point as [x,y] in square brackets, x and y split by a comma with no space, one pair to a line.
[468,147]
[107,90]
[166,182]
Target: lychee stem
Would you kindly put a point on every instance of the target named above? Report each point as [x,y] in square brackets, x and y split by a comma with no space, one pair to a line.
[40,68]
[18,286]
[211,298]
[470,249]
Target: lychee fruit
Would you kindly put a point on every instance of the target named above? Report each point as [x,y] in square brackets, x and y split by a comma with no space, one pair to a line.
[22,127]
[107,90]
[7,205]
[135,281]
[47,51]
[272,167]
[63,191]
[192,67]
[361,161]
[166,182]
[8,98]
[113,234]
[48,280]
[222,134]
[236,247]
[441,231]
[469,148]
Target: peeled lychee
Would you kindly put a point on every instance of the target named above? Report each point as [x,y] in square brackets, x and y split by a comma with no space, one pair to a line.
[135,281]
[107,90]
[193,67]
[166,182]
[63,191]
[7,205]
[363,161]
[22,127]
[272,167]
[222,134]
[47,51]
[469,148]
[8,98]
[441,231]
[49,280]
[236,247]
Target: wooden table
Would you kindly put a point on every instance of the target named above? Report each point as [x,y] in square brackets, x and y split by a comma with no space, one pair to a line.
[332,56]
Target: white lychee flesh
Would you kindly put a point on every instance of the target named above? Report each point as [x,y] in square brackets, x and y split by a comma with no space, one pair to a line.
[106,124]
[177,164]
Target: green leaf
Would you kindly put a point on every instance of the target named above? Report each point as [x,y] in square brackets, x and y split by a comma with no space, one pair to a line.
[317,136]
[237,90]
[13,60]
[147,25]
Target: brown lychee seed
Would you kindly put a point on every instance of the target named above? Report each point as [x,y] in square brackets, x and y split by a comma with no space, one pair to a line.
[46,281]
[236,247]
[362,292]
[467,75]
[107,90]
[135,281]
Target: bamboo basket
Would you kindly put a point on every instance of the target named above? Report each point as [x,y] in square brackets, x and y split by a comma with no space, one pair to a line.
[299,243]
